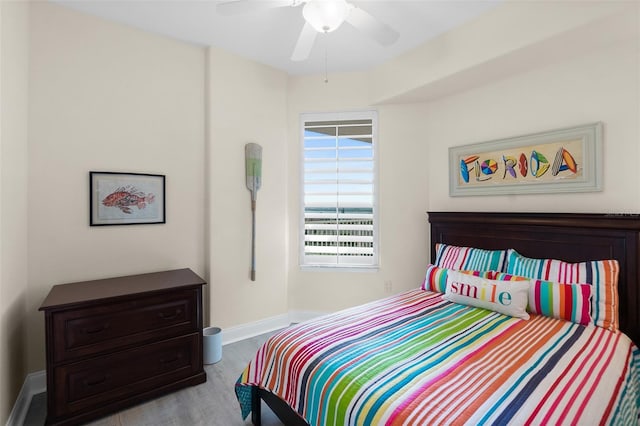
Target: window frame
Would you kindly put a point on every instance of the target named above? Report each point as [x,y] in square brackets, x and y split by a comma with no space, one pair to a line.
[339,116]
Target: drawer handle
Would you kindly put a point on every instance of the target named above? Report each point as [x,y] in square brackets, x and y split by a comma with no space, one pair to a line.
[170,316]
[95,382]
[96,330]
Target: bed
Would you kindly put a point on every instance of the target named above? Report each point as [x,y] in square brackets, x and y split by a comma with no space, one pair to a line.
[416,358]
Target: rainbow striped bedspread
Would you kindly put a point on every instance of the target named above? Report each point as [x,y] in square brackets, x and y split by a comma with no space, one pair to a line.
[415,359]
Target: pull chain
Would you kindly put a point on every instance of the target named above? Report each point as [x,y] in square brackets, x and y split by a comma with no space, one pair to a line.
[326,55]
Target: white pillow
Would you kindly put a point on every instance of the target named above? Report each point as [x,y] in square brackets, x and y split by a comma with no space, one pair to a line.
[505,297]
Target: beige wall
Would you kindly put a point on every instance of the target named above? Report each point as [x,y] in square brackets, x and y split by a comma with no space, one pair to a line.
[14,40]
[106,97]
[247,103]
[402,196]
[599,86]
[109,98]
[583,65]
[507,39]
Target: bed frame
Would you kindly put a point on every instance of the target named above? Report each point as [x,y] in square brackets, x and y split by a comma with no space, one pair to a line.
[571,237]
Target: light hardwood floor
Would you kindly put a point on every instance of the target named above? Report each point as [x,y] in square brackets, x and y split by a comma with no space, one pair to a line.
[211,403]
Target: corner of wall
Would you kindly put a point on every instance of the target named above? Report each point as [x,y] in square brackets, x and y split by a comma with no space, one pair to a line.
[14,72]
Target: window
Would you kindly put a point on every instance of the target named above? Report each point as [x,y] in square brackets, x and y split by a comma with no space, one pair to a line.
[339,221]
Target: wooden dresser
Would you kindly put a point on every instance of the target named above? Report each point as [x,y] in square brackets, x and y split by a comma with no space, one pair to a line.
[115,342]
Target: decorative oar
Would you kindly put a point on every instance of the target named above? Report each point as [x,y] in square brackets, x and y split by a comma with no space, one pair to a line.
[253,164]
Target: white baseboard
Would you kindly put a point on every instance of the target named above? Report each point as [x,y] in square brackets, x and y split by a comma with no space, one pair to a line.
[246,331]
[252,329]
[34,383]
[302,316]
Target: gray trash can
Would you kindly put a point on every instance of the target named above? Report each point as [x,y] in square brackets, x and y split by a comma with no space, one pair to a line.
[212,344]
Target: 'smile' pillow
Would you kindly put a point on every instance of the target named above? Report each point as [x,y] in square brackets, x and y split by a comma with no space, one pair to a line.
[436,278]
[505,297]
[469,258]
[601,274]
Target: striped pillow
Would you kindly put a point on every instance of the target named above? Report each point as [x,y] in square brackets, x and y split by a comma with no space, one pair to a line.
[501,276]
[602,275]
[468,258]
[436,278]
[569,302]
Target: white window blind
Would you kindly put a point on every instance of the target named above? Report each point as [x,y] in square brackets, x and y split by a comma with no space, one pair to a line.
[339,183]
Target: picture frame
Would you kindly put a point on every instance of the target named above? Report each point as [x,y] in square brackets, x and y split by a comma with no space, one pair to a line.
[561,160]
[117,198]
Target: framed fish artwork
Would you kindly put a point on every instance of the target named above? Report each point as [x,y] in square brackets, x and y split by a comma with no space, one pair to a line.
[561,160]
[126,198]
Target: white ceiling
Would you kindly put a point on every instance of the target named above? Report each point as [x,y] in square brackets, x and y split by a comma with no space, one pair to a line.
[269,36]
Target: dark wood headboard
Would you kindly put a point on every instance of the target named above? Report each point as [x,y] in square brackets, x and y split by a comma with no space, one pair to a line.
[571,237]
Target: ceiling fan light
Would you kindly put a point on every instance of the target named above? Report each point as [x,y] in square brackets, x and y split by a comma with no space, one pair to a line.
[325,15]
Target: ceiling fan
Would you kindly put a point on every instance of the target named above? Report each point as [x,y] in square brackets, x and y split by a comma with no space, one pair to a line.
[321,16]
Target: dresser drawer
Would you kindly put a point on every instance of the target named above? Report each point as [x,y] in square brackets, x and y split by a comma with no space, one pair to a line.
[103,380]
[114,326]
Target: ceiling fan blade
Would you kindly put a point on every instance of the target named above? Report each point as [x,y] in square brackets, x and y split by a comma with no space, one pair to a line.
[237,7]
[304,43]
[380,32]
